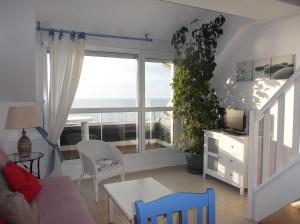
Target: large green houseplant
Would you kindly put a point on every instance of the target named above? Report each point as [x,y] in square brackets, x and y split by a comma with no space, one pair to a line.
[195,103]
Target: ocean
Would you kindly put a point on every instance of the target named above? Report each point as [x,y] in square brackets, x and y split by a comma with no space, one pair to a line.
[119,117]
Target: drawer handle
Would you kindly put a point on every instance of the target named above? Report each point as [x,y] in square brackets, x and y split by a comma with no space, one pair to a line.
[232,146]
[231,160]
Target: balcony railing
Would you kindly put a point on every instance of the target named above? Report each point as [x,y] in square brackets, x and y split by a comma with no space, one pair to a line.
[119,129]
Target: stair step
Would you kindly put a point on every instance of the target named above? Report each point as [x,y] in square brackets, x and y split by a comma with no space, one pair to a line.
[287,215]
[296,204]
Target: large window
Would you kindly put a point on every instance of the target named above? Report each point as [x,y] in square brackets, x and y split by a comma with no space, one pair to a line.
[107,81]
[158,103]
[111,104]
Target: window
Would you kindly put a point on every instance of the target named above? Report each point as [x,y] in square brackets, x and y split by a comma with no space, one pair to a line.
[107,107]
[158,102]
[107,81]
[158,77]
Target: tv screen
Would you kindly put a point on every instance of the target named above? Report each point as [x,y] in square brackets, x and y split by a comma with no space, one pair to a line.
[234,119]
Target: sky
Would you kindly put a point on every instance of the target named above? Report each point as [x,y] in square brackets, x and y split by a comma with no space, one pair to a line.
[104,77]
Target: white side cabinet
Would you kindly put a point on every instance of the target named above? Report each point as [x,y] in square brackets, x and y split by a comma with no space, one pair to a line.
[226,158]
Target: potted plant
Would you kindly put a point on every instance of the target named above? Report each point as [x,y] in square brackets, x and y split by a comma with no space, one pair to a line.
[195,102]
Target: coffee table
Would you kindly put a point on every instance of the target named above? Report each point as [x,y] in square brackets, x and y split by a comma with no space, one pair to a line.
[124,194]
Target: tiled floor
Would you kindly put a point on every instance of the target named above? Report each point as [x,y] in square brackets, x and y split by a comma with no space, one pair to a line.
[230,206]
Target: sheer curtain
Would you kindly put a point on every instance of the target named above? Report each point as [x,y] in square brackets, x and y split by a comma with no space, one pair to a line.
[66,58]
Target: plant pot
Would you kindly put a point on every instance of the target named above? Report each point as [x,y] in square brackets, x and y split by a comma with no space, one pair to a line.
[194,162]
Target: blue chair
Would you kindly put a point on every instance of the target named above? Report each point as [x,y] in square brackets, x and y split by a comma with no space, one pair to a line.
[178,202]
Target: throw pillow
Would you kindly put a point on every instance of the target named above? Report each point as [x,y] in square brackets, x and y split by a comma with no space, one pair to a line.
[21,180]
[3,159]
[14,209]
[3,184]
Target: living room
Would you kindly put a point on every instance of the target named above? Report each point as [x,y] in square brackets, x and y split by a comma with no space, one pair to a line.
[135,37]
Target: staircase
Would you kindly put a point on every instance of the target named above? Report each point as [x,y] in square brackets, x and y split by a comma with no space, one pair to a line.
[274,159]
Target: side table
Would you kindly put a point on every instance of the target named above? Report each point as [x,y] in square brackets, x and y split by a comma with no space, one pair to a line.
[34,156]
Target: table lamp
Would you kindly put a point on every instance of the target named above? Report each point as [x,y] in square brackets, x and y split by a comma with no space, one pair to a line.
[22,117]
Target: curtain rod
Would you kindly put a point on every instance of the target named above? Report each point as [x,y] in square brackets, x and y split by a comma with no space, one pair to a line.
[44,29]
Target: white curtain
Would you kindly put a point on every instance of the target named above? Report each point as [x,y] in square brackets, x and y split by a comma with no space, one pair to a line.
[66,58]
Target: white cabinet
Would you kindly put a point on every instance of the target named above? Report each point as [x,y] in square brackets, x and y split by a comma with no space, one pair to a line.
[225,157]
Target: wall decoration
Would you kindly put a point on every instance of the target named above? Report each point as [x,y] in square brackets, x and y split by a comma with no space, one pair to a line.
[260,69]
[244,71]
[281,67]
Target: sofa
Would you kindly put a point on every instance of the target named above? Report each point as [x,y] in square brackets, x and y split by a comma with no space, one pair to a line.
[58,201]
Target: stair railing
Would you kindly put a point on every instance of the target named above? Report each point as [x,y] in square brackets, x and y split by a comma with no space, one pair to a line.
[267,160]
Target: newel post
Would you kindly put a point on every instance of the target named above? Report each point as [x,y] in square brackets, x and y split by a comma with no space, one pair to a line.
[253,134]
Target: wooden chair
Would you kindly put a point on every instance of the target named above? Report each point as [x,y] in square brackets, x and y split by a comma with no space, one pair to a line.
[177,203]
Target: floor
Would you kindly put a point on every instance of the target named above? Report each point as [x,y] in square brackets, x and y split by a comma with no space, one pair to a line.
[230,206]
[288,215]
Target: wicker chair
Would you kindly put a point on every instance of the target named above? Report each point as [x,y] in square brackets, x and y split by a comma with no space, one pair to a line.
[93,151]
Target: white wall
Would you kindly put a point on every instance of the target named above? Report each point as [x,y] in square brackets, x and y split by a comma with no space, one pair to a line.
[18,69]
[17,50]
[250,43]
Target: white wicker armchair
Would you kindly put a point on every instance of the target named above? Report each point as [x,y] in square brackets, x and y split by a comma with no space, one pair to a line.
[91,151]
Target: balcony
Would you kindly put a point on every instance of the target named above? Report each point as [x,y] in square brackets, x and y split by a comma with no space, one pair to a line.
[119,129]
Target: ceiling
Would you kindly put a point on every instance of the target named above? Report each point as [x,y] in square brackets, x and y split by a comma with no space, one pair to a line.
[263,10]
[159,18]
[119,17]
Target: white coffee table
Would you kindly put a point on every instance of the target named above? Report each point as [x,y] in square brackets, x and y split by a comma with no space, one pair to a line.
[124,194]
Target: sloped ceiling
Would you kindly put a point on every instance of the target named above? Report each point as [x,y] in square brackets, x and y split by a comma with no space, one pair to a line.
[263,10]
[120,17]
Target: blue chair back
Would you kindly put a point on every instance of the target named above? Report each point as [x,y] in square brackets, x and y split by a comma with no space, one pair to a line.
[177,203]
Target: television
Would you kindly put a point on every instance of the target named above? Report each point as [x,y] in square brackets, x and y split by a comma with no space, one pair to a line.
[234,120]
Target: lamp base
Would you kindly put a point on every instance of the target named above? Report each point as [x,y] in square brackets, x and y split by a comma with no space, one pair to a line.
[24,145]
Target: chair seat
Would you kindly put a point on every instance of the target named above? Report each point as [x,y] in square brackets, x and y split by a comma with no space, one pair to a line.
[110,171]
[100,160]
[106,164]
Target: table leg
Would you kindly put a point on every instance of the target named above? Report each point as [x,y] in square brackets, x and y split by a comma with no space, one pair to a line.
[31,164]
[85,130]
[110,211]
[38,169]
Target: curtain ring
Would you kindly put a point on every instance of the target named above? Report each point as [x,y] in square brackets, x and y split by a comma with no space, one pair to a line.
[51,32]
[81,35]
[61,34]
[72,35]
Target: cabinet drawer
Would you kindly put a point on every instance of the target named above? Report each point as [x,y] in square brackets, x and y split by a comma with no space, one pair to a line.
[232,146]
[235,165]
[230,163]
[235,177]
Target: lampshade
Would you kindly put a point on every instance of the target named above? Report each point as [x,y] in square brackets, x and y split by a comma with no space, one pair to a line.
[21,117]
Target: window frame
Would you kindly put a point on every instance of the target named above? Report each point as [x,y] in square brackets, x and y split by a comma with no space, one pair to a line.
[157,109]
[142,57]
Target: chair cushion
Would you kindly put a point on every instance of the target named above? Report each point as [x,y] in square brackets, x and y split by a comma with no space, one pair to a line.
[21,180]
[105,164]
[14,209]
[60,202]
[3,159]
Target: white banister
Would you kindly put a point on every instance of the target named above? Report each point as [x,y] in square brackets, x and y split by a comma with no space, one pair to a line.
[269,157]
[266,147]
[296,119]
[284,88]
[280,132]
[252,169]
